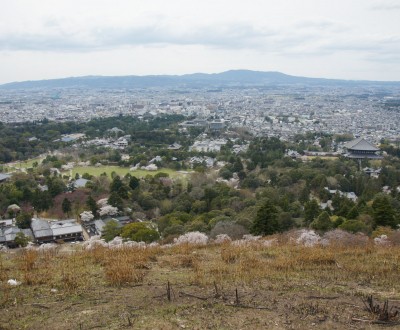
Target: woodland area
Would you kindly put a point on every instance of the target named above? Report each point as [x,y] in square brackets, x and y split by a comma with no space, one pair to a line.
[272,192]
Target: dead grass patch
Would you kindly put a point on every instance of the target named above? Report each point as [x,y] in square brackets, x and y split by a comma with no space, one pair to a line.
[281,277]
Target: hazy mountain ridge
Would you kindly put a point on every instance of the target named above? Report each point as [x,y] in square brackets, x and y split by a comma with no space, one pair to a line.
[195,80]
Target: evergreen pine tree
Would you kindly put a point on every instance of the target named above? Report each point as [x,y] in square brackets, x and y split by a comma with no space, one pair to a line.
[266,221]
[66,206]
[383,212]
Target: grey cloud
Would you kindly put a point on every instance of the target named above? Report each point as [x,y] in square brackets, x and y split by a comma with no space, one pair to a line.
[386,6]
[308,38]
[229,36]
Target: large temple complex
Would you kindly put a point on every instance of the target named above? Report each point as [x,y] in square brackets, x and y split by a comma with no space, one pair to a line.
[361,149]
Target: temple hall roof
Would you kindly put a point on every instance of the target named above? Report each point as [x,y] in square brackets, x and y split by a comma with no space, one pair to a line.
[360,144]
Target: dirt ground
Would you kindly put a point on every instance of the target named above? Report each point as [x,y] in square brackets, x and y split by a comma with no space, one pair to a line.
[173,296]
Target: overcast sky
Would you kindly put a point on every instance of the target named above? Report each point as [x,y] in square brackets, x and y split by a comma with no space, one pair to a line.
[349,39]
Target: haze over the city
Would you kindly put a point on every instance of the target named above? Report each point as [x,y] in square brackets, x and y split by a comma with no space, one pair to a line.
[341,39]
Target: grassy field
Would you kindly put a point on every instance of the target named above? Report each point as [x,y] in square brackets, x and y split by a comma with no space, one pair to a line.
[96,171]
[121,171]
[227,286]
[24,164]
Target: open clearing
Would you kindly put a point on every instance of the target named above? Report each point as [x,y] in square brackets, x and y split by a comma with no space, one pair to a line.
[215,287]
[97,170]
[122,171]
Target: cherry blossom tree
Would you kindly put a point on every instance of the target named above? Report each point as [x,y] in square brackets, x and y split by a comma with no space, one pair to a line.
[108,210]
[86,216]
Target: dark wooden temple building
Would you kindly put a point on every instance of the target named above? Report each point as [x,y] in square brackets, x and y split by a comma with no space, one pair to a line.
[361,149]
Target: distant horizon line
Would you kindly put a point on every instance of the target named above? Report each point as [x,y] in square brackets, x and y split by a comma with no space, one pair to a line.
[196,73]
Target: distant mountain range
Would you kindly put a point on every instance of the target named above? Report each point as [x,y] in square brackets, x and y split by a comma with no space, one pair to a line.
[233,78]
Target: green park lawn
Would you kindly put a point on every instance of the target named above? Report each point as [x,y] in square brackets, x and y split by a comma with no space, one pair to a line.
[122,171]
[23,164]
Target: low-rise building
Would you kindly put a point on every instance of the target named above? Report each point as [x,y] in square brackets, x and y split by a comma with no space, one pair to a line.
[66,230]
[49,231]
[4,177]
[9,233]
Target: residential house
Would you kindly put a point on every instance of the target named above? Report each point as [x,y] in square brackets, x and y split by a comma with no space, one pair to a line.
[81,183]
[41,231]
[9,233]
[100,223]
[66,230]
[49,231]
[4,177]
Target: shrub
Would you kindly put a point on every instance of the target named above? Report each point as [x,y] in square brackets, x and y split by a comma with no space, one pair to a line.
[195,238]
[139,232]
[307,238]
[381,230]
[21,239]
[338,221]
[322,223]
[111,230]
[343,238]
[222,238]
[232,229]
[354,226]
[381,240]
[394,238]
[23,220]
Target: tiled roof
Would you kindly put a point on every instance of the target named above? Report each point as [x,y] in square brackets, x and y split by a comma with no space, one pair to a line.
[41,228]
[360,144]
[4,176]
[65,227]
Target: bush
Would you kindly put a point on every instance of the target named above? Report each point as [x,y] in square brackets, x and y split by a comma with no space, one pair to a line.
[322,223]
[394,238]
[195,238]
[111,230]
[354,226]
[308,238]
[381,230]
[21,239]
[225,173]
[139,232]
[344,238]
[232,229]
[23,220]
[175,229]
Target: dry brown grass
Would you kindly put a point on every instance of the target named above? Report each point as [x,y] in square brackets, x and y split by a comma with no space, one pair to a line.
[266,273]
[223,263]
[125,266]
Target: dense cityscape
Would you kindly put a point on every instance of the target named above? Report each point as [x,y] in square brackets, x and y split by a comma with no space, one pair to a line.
[274,111]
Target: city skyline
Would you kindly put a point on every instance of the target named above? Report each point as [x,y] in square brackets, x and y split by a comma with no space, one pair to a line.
[358,40]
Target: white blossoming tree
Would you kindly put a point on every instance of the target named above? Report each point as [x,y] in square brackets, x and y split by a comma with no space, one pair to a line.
[108,210]
[102,202]
[86,216]
[195,238]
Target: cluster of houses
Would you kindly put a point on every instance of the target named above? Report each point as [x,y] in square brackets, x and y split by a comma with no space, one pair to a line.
[119,143]
[41,231]
[96,227]
[56,231]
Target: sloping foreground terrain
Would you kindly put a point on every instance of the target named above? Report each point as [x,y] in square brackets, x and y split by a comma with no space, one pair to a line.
[233,285]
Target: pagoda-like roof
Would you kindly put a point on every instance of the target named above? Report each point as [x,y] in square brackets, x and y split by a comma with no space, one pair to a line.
[360,144]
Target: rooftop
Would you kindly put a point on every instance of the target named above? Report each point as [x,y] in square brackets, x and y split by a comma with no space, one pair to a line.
[4,176]
[65,227]
[41,228]
[360,144]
